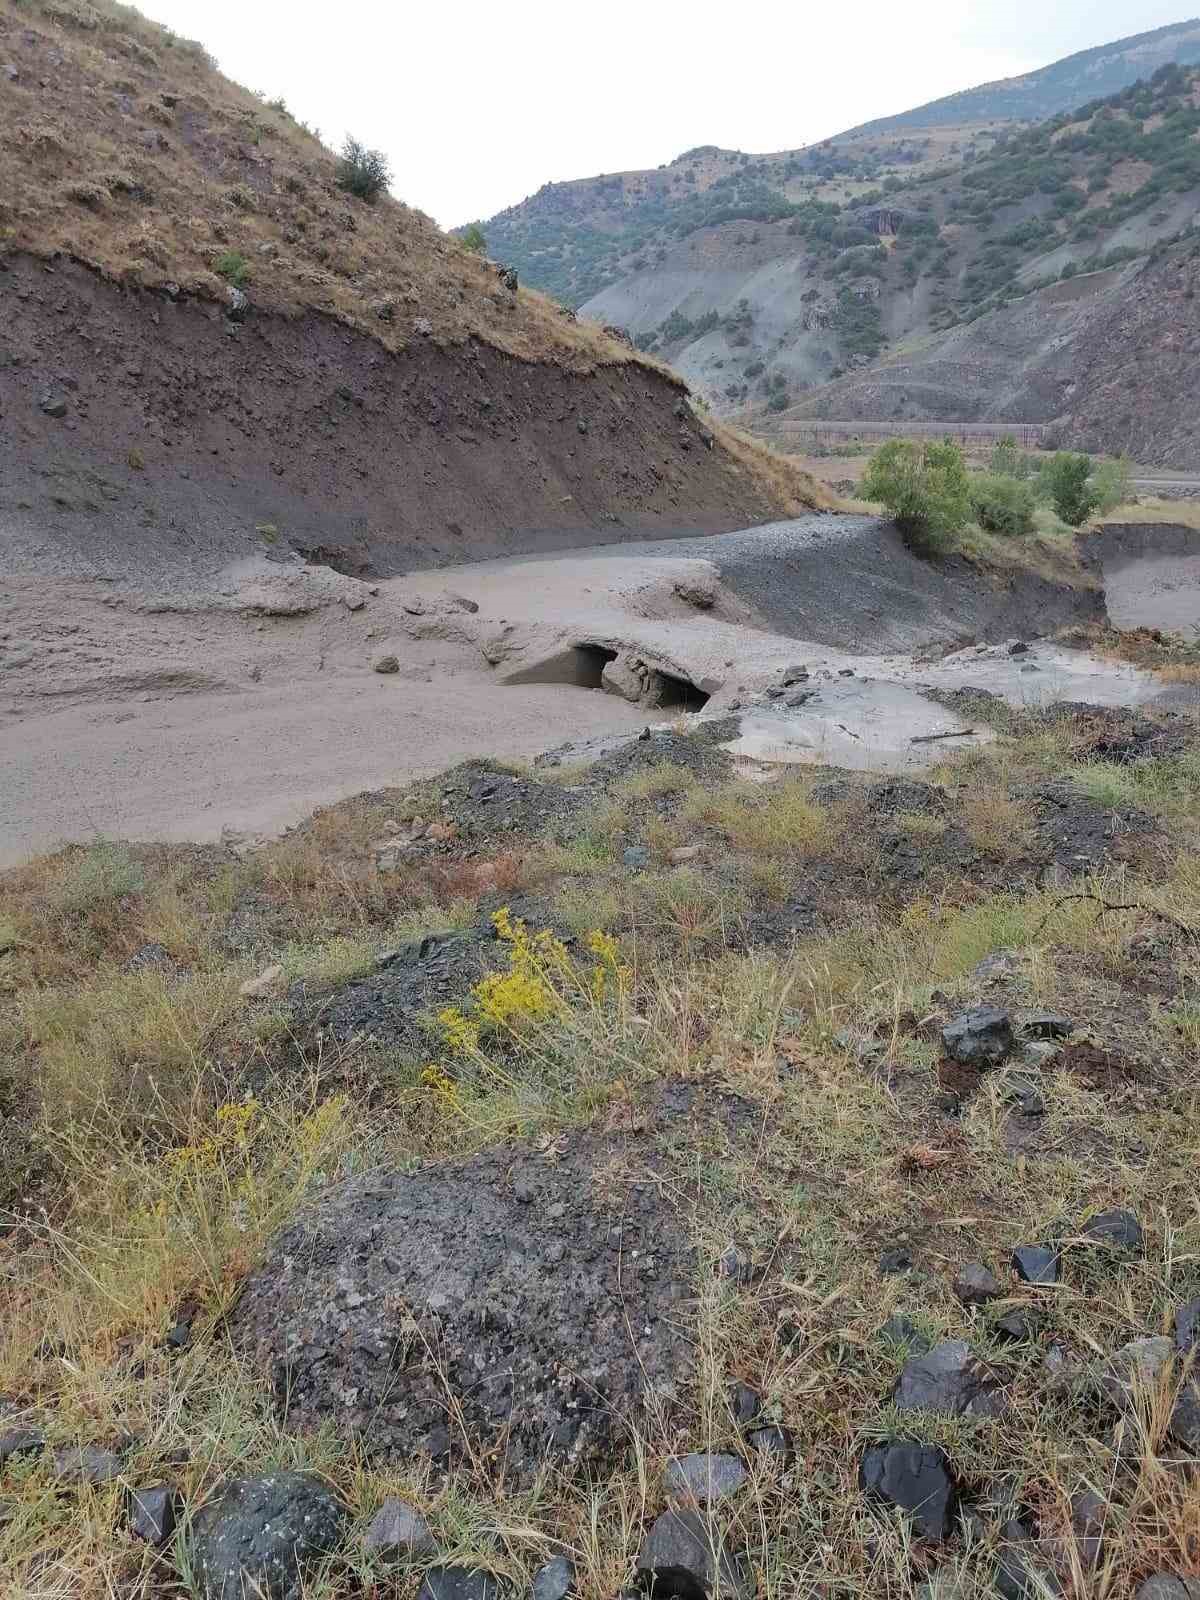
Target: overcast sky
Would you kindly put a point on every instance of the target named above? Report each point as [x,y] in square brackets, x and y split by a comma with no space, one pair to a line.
[479,102]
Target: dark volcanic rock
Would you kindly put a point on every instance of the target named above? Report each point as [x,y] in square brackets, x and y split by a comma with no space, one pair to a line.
[948,1379]
[152,1513]
[772,1441]
[262,1533]
[397,1532]
[550,1322]
[1047,1025]
[86,1463]
[706,1478]
[1089,1512]
[553,1580]
[1184,1425]
[1020,1575]
[902,1330]
[1036,1263]
[1018,1324]
[458,1583]
[21,1442]
[684,1558]
[895,1260]
[975,1285]
[1119,1228]
[979,1038]
[1168,1586]
[914,1477]
[745,1403]
[1187,1327]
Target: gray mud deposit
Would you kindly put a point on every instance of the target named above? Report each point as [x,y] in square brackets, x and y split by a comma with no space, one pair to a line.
[528,1300]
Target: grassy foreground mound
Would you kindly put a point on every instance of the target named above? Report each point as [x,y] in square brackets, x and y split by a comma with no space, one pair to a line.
[735,994]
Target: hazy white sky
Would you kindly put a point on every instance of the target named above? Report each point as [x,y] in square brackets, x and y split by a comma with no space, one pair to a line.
[480,102]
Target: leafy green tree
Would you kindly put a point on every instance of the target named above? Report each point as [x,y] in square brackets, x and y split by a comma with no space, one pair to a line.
[363,172]
[1066,479]
[925,487]
[473,239]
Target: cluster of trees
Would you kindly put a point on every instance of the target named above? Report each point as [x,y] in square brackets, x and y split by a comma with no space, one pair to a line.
[932,496]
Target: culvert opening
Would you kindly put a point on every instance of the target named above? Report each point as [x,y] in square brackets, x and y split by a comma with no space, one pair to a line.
[590,662]
[581,665]
[676,694]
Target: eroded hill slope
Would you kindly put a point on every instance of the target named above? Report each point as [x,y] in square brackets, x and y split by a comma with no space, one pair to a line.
[207,336]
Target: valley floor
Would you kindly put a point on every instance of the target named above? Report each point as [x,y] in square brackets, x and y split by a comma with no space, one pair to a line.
[244,702]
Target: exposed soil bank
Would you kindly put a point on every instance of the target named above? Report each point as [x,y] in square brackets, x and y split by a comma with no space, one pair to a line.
[851,583]
[183,432]
[1151,574]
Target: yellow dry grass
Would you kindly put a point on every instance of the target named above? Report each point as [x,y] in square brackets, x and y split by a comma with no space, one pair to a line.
[796,490]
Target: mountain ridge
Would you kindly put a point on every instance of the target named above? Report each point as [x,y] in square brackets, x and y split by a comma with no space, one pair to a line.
[1032,96]
[576,237]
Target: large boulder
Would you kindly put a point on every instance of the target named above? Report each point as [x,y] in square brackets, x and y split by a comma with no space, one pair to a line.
[530,1301]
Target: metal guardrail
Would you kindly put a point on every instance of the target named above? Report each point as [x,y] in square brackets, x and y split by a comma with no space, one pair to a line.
[1027,434]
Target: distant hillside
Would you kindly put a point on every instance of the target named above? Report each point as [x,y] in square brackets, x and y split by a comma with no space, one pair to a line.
[576,239]
[761,315]
[206,335]
[1062,86]
[1109,357]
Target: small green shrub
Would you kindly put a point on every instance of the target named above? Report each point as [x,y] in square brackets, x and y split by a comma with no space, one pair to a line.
[233,267]
[1066,480]
[1110,484]
[104,874]
[1002,504]
[473,239]
[363,172]
[924,486]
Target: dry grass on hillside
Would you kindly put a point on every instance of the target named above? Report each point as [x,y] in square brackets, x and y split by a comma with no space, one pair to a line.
[121,145]
[796,490]
[151,1176]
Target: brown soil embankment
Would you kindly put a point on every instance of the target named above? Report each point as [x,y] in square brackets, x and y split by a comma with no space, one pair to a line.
[184,435]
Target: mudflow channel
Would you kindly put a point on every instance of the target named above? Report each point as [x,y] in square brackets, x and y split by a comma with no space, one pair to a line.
[238,704]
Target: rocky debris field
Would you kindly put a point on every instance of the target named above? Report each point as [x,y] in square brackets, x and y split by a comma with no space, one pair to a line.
[613,1178]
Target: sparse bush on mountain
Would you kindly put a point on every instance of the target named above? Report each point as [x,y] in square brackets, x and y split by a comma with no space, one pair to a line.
[233,267]
[1002,504]
[925,487]
[363,172]
[473,239]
